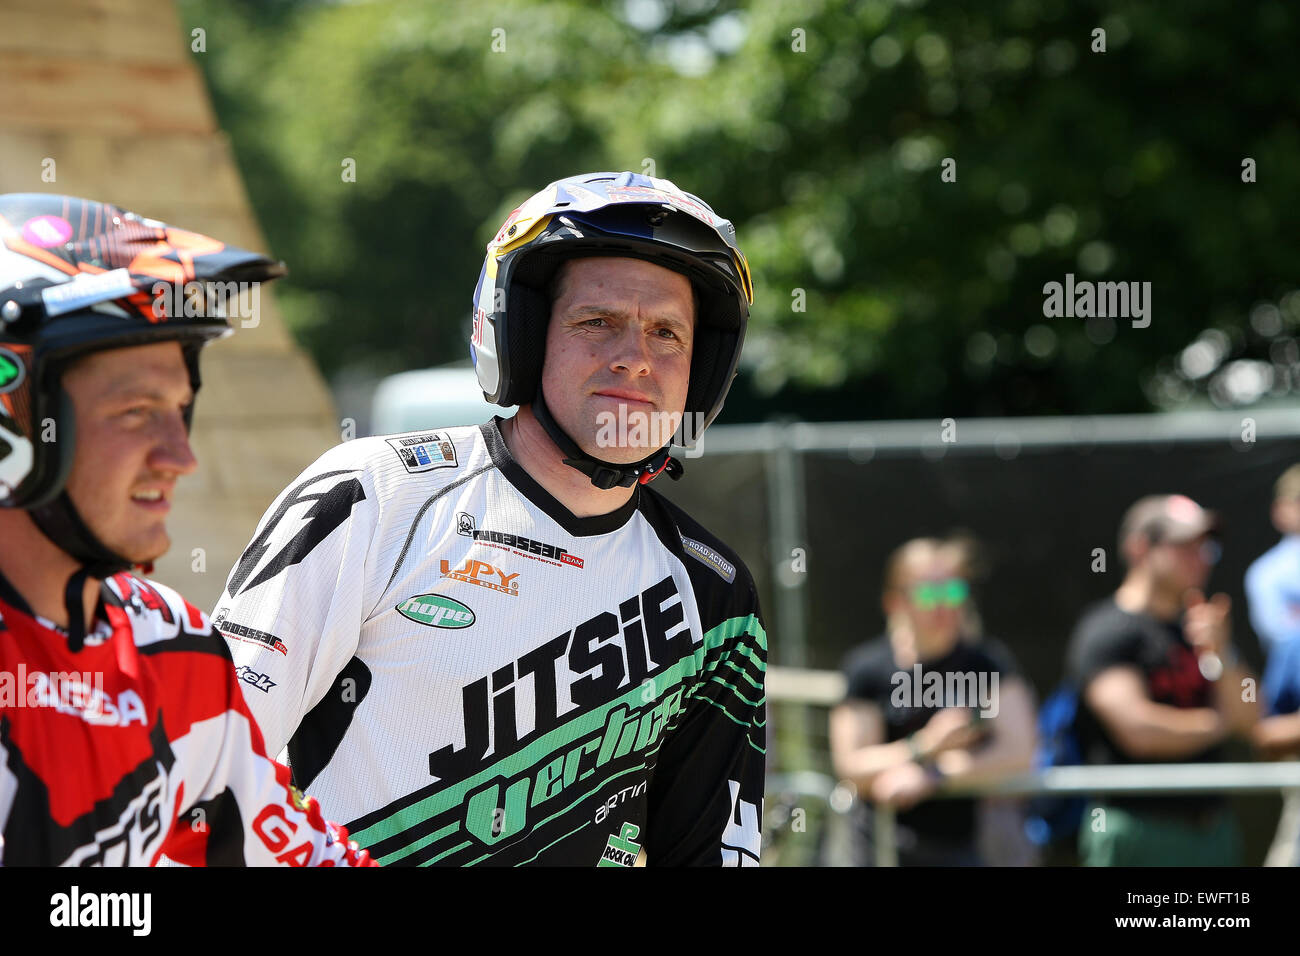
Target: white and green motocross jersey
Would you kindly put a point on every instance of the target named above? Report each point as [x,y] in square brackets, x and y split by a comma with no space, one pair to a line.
[468,674]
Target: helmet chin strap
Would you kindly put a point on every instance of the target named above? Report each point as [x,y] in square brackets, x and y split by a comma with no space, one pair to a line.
[60,522]
[605,474]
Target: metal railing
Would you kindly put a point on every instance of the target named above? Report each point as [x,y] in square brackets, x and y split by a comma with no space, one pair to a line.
[784,445]
[1096,781]
[1093,781]
[822,689]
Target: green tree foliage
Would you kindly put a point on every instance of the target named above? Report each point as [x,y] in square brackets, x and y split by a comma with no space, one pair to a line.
[820,128]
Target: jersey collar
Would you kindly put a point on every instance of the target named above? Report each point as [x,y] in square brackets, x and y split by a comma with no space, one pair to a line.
[527,486]
[9,595]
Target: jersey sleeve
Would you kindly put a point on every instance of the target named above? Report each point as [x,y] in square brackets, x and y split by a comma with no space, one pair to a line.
[235,805]
[706,797]
[294,602]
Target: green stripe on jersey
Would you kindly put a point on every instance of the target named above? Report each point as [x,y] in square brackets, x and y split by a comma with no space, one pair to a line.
[509,796]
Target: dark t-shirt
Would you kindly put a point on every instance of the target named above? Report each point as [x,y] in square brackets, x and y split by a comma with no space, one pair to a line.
[964,677]
[1106,637]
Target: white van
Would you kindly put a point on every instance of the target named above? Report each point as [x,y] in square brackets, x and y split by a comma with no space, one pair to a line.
[430,398]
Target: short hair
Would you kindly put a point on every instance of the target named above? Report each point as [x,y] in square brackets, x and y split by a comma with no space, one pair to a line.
[555,287]
[964,548]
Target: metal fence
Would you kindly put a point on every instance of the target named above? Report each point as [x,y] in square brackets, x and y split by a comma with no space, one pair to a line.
[836,802]
[1097,781]
[815,509]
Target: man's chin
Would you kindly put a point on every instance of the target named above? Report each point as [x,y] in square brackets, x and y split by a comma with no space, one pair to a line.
[630,434]
[618,455]
[143,552]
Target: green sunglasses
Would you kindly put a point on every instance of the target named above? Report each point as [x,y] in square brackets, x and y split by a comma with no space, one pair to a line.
[931,594]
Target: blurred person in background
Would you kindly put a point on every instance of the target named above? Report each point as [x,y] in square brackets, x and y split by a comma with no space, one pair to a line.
[910,721]
[1160,682]
[1273,596]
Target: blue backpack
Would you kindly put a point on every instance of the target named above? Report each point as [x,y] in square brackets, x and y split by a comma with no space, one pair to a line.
[1054,819]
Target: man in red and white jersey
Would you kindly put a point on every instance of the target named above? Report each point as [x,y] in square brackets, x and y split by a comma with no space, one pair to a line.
[123,731]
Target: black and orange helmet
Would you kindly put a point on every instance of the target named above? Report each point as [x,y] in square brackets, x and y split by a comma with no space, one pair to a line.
[78,276]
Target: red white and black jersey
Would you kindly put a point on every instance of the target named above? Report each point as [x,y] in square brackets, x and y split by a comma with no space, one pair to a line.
[140,743]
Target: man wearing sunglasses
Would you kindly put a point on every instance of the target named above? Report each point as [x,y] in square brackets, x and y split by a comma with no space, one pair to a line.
[1160,682]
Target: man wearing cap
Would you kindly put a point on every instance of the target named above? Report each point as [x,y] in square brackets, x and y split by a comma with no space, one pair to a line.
[1160,682]
[497,644]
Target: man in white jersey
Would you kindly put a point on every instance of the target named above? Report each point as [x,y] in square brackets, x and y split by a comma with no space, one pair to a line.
[495,644]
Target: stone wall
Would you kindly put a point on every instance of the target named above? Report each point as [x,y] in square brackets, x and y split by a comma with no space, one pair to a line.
[109,90]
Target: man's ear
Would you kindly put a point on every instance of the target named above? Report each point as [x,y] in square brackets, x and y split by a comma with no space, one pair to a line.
[1135,549]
